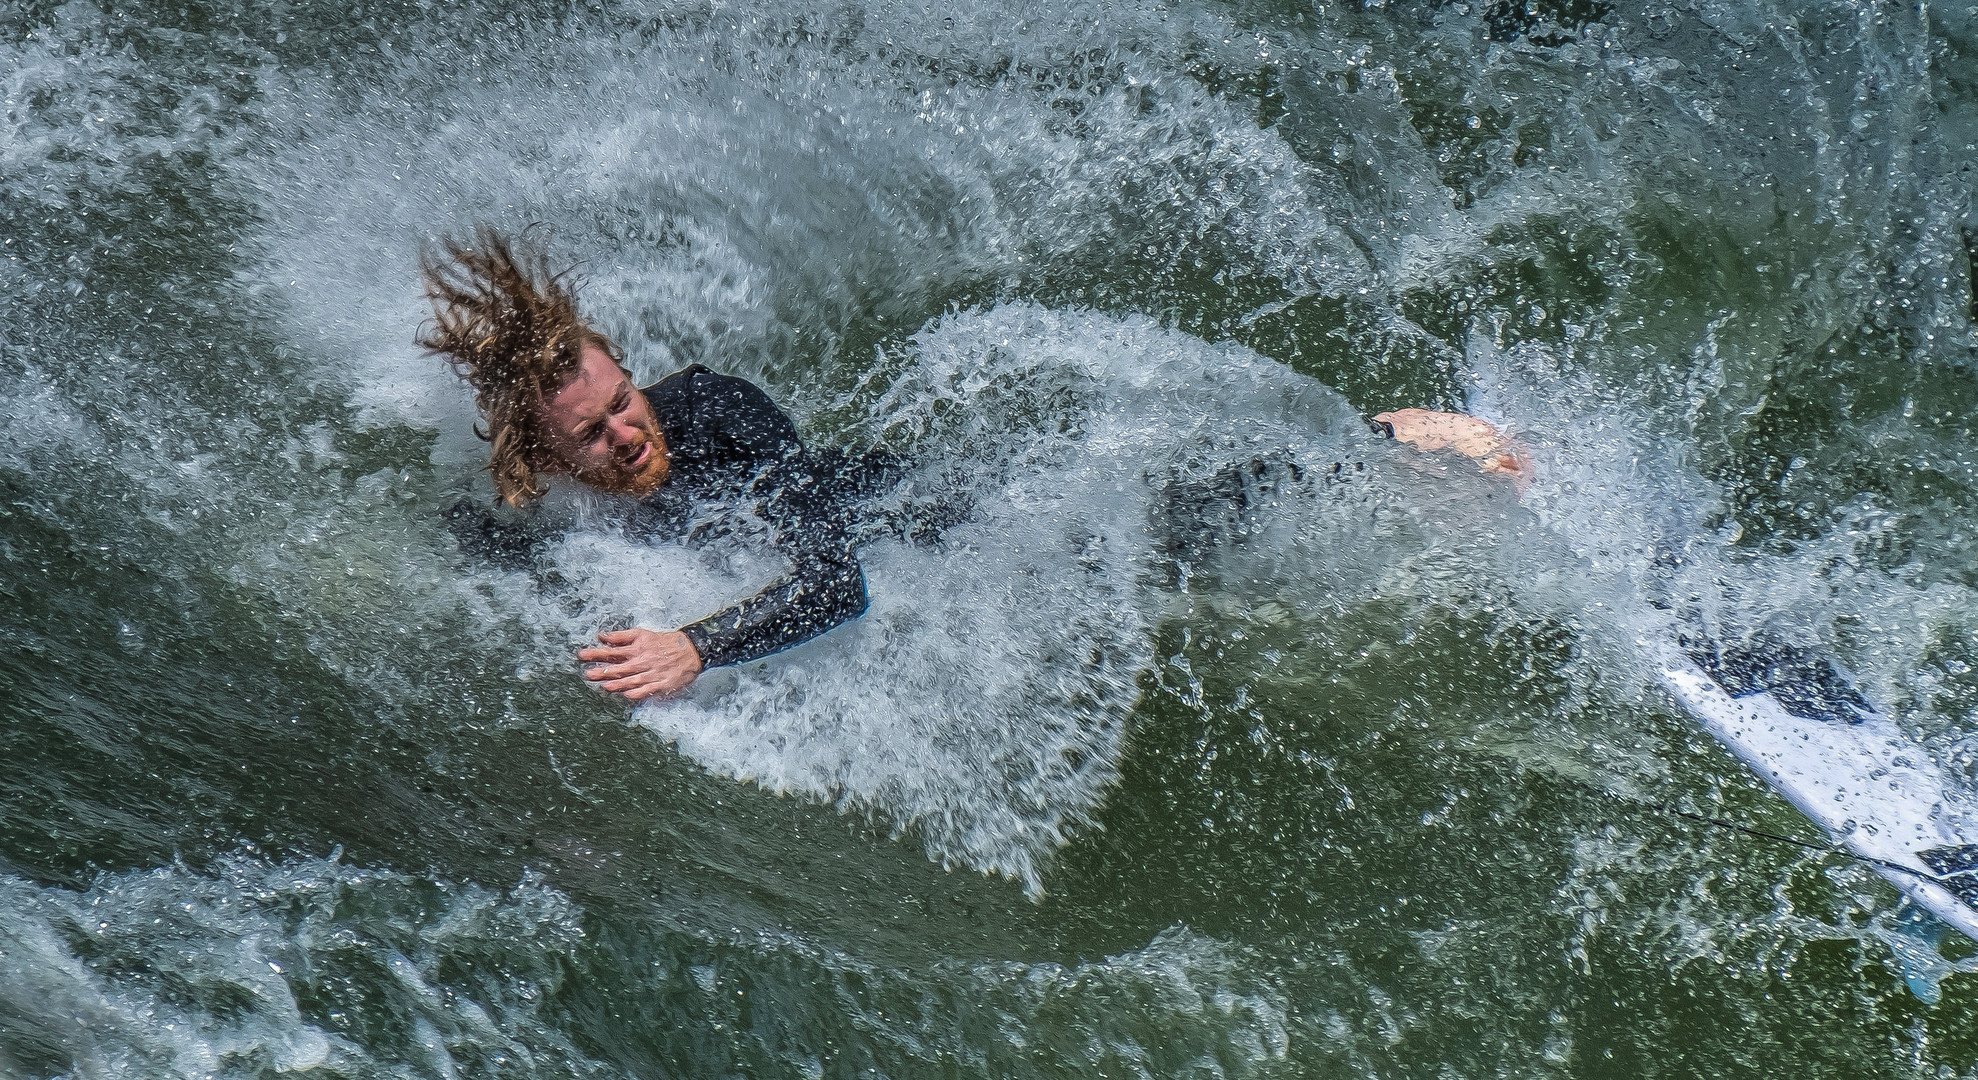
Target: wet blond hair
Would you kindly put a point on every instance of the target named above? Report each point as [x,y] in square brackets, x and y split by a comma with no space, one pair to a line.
[509,326]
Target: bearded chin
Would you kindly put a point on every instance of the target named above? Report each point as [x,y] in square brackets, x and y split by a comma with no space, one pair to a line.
[626,481]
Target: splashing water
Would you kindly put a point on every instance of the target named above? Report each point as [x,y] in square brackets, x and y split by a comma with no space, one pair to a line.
[1301,752]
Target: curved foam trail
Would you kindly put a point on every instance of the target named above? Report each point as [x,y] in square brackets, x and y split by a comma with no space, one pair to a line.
[726,217]
[981,701]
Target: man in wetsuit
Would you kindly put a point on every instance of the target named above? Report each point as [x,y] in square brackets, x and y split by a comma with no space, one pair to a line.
[554,400]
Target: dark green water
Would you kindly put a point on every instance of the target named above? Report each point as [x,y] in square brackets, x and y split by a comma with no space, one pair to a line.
[1353,782]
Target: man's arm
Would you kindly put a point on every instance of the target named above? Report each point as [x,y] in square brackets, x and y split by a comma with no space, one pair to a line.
[483,536]
[825,586]
[650,663]
[826,589]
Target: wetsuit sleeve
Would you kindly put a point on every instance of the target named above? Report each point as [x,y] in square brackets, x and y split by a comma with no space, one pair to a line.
[484,537]
[826,586]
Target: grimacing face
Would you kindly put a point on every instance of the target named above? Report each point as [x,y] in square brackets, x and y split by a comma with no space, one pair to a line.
[602,432]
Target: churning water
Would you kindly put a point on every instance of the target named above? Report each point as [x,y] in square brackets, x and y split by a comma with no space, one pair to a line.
[1215,738]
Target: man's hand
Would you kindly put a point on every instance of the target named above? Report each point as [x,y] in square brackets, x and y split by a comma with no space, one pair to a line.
[1425,430]
[642,663]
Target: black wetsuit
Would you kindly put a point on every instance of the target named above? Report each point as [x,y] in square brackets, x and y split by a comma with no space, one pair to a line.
[726,440]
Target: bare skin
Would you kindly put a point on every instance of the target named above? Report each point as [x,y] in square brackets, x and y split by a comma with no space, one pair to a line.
[640,664]
[602,431]
[1495,452]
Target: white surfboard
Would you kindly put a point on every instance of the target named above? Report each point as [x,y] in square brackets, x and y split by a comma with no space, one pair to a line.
[1844,764]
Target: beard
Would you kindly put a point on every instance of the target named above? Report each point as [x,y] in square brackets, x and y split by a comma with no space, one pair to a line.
[626,479]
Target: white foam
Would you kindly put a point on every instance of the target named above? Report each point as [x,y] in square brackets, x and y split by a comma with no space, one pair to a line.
[172,973]
[981,701]
[739,191]
[252,968]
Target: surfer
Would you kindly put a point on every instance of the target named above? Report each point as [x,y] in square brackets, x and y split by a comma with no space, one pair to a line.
[555,400]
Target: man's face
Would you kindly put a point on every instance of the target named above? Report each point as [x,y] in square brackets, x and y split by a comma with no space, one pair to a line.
[600,427]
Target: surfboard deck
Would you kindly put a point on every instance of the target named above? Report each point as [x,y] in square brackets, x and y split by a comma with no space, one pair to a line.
[1847,766]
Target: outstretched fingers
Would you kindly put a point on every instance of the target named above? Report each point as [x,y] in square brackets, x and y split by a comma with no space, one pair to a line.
[643,687]
[630,682]
[621,671]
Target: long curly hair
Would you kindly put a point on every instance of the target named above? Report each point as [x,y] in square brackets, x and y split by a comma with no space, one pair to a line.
[509,327]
